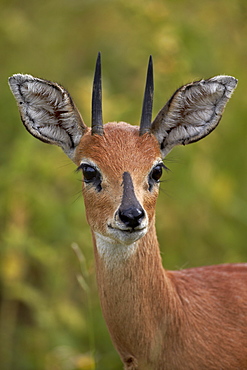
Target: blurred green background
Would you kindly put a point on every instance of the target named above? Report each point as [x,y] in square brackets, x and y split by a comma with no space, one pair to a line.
[50,315]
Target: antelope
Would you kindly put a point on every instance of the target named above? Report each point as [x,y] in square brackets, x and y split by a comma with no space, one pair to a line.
[189,319]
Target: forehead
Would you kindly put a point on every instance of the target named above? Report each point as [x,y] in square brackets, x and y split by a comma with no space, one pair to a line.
[119,149]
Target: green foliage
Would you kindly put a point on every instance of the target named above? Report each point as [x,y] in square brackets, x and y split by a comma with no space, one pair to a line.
[50,315]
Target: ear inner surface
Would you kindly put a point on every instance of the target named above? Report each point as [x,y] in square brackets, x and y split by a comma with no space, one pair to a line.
[48,112]
[192,112]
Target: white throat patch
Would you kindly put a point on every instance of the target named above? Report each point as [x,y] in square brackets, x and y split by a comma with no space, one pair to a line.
[113,252]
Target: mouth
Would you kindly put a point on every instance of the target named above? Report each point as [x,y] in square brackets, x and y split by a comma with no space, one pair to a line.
[129,230]
[126,235]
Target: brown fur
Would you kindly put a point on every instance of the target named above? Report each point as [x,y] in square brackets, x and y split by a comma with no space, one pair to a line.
[191,319]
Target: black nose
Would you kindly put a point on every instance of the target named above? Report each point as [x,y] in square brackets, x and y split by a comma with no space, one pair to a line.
[131,217]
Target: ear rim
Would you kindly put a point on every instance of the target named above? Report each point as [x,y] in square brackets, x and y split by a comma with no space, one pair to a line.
[229,83]
[17,81]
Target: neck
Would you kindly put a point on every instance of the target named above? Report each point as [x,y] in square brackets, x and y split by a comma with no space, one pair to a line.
[131,279]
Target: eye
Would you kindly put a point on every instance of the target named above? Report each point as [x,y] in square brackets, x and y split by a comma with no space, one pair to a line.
[156,172]
[91,175]
[155,175]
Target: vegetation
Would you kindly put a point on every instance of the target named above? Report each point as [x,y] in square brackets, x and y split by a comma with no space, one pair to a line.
[50,315]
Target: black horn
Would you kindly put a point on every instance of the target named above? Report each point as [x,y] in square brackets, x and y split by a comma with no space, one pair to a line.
[147,106]
[97,120]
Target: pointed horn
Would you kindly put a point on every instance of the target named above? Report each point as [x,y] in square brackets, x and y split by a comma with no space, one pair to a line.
[97,121]
[147,106]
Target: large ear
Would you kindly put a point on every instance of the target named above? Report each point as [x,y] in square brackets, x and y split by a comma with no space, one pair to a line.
[48,112]
[192,112]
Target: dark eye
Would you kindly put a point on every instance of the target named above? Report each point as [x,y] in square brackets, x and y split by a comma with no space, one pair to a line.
[91,175]
[156,172]
[155,175]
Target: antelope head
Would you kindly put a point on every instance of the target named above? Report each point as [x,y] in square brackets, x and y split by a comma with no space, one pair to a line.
[121,164]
